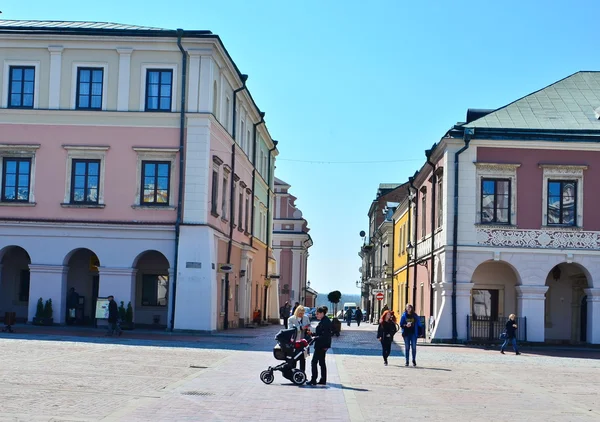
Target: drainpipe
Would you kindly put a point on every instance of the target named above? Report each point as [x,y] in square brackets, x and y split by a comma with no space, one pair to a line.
[181,179]
[433,210]
[468,133]
[392,260]
[269,182]
[231,201]
[415,266]
[262,120]
[408,257]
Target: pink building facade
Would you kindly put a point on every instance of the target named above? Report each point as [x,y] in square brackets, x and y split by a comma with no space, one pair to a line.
[110,188]
[291,243]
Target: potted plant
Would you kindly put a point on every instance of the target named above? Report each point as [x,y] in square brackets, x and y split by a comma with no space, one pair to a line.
[127,320]
[43,313]
[122,312]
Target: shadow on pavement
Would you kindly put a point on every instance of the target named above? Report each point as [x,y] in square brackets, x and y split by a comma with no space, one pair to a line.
[425,367]
[343,387]
[550,351]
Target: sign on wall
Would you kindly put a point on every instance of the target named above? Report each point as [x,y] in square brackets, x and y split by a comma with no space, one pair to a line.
[102,308]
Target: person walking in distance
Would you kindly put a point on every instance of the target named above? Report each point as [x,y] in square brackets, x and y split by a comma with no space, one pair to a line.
[359,316]
[348,316]
[113,317]
[284,313]
[511,334]
[385,334]
[410,325]
[322,344]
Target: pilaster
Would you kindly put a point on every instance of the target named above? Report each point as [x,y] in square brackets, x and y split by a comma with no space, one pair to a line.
[48,282]
[530,304]
[55,73]
[124,78]
[120,283]
[593,315]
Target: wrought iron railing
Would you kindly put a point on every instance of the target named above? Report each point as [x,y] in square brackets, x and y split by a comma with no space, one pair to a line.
[487,329]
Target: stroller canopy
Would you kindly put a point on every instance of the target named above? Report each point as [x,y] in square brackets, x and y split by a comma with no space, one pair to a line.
[286,336]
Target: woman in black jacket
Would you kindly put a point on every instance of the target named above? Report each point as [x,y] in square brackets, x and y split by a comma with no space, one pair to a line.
[322,343]
[511,334]
[385,334]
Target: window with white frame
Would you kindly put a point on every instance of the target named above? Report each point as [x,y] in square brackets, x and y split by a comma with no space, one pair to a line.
[84,184]
[158,91]
[224,190]
[247,212]
[17,167]
[88,86]
[226,113]
[215,100]
[440,201]
[496,193]
[243,135]
[21,84]
[562,195]
[155,171]
[248,143]
[423,212]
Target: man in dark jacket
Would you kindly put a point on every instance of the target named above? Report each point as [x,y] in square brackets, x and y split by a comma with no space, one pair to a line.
[113,317]
[358,315]
[284,313]
[322,343]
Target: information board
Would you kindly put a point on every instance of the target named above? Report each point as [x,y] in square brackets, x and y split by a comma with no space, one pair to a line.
[102,308]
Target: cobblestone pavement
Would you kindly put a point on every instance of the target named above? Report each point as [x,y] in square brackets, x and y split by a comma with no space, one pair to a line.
[68,376]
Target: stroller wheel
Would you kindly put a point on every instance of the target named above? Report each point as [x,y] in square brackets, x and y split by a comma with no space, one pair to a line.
[267,377]
[299,377]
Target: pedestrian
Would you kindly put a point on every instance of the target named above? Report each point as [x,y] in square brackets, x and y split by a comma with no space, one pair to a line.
[348,316]
[511,335]
[301,323]
[113,317]
[72,302]
[410,325]
[385,334]
[294,308]
[284,313]
[322,344]
[358,315]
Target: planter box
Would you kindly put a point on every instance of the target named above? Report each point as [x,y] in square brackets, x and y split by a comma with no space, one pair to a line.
[43,321]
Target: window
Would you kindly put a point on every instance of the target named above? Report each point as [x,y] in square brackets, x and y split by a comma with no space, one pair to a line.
[400,241]
[562,202]
[241,210]
[440,203]
[226,114]
[237,299]
[423,214]
[21,87]
[495,201]
[243,135]
[156,177]
[155,290]
[233,199]
[246,226]
[224,196]
[16,179]
[85,181]
[215,192]
[215,99]
[248,144]
[89,88]
[24,286]
[159,84]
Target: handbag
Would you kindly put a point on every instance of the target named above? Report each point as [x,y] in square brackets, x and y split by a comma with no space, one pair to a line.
[503,335]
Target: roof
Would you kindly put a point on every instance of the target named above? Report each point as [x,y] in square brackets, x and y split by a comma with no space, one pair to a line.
[571,103]
[22,24]
[389,185]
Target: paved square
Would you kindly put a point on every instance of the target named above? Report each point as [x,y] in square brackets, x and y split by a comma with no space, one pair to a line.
[79,376]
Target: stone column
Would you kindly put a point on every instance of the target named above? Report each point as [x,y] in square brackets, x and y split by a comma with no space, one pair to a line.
[530,304]
[593,316]
[55,73]
[171,300]
[124,78]
[194,80]
[205,99]
[443,324]
[120,283]
[48,282]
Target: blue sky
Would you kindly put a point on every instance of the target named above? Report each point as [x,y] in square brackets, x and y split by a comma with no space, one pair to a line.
[358,84]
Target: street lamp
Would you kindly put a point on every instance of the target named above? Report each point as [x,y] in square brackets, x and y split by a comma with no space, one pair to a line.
[410,248]
[308,284]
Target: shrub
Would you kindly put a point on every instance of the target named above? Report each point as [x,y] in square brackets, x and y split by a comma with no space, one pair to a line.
[39,311]
[122,311]
[48,309]
[129,313]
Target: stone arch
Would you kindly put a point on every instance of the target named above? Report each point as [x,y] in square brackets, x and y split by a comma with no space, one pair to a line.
[14,281]
[494,293]
[563,319]
[152,288]
[82,286]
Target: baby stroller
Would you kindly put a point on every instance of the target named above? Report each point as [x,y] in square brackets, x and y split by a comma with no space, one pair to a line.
[288,350]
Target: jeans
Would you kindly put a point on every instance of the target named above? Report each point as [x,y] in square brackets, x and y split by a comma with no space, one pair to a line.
[514,344]
[114,327]
[386,346]
[410,342]
[358,322]
[319,357]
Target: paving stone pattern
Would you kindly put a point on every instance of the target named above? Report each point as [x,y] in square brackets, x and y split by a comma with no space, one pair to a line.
[79,375]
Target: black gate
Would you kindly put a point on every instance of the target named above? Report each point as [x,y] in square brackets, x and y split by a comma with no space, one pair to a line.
[489,329]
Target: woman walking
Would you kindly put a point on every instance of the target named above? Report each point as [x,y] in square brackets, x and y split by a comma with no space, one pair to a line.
[301,323]
[511,334]
[385,334]
[410,325]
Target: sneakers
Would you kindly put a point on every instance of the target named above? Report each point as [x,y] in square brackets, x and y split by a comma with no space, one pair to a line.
[406,364]
[502,351]
[311,382]
[321,382]
[385,362]
[414,363]
[518,353]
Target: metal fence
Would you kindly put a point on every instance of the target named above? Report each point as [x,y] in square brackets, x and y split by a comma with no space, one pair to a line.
[487,329]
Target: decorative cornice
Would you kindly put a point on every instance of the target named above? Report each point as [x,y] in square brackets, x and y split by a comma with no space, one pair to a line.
[226,169]
[18,147]
[559,238]
[217,160]
[563,166]
[46,269]
[249,191]
[154,150]
[243,184]
[86,147]
[499,167]
[236,178]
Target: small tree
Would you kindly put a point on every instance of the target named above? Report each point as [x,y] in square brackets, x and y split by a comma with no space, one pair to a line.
[48,309]
[39,311]
[334,297]
[129,313]
[122,311]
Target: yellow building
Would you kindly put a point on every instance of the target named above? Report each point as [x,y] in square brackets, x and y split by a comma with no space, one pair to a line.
[401,238]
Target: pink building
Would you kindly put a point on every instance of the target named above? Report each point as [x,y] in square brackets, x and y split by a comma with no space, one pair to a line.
[130,159]
[291,242]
